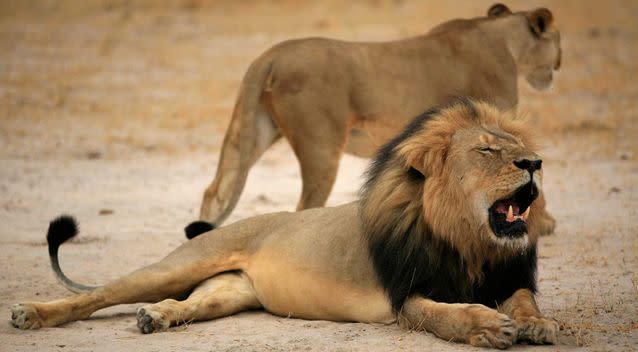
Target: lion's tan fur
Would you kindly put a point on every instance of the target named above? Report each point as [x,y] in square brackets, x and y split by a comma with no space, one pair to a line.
[315,264]
[327,96]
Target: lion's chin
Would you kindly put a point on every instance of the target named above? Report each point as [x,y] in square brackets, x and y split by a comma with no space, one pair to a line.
[512,244]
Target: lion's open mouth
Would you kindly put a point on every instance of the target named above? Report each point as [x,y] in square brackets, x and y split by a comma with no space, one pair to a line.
[508,217]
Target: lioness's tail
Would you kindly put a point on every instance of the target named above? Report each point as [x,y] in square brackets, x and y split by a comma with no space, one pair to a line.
[61,230]
[251,131]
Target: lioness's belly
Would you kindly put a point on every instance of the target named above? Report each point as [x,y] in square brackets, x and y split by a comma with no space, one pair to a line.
[288,289]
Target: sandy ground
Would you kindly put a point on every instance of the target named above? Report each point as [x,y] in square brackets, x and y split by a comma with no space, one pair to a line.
[107,106]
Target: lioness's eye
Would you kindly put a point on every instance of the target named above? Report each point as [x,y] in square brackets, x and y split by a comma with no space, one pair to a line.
[485,149]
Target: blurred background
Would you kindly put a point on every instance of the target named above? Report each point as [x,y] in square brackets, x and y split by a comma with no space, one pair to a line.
[122,77]
[115,111]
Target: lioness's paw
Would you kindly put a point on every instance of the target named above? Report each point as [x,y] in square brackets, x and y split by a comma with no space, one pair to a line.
[490,328]
[150,321]
[537,330]
[25,316]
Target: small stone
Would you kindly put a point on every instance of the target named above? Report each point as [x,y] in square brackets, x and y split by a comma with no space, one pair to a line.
[93,155]
[105,212]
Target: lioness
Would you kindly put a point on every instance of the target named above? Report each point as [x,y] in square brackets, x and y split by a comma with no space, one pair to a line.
[443,240]
[326,96]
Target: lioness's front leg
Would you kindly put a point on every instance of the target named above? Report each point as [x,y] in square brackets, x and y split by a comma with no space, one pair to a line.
[530,323]
[475,324]
[546,222]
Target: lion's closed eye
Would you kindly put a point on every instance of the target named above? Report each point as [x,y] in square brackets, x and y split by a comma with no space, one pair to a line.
[486,150]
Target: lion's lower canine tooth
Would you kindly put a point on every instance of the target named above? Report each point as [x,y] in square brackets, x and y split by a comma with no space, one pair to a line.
[526,213]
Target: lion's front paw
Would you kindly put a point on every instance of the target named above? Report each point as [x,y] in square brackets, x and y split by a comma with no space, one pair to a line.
[150,321]
[490,328]
[25,316]
[537,330]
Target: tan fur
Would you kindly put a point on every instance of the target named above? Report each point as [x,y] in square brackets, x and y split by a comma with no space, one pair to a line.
[315,264]
[327,96]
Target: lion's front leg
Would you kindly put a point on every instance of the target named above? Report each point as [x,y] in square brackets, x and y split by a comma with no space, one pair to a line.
[475,324]
[530,323]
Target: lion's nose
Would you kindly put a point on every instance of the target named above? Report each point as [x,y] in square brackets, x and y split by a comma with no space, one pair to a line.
[529,165]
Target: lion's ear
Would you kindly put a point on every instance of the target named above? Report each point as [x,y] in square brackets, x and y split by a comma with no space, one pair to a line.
[540,20]
[427,155]
[498,10]
[413,155]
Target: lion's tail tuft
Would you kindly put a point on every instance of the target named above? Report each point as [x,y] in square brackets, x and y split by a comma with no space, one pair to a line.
[62,229]
[197,228]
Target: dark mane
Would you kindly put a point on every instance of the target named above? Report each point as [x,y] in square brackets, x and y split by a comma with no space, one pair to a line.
[408,257]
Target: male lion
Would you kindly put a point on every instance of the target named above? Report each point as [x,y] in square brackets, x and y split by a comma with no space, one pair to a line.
[443,240]
[327,96]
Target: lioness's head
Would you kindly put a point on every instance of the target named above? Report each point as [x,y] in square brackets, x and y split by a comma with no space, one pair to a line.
[536,47]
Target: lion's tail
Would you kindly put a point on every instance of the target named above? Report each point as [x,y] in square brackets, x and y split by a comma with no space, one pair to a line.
[62,229]
[251,132]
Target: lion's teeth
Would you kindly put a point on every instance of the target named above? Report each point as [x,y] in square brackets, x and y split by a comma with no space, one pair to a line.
[510,214]
[526,214]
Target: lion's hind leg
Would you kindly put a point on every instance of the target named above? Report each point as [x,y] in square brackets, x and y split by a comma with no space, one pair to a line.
[174,275]
[219,296]
[475,324]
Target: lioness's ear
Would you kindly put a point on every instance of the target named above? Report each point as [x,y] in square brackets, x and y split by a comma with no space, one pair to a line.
[540,20]
[498,10]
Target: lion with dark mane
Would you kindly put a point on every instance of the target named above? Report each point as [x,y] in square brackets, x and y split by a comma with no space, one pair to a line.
[442,240]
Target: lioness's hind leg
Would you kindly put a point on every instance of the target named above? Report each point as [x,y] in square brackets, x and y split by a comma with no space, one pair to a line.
[317,133]
[219,296]
[319,162]
[546,222]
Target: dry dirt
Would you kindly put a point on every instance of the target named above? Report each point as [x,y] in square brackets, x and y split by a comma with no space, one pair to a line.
[119,109]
